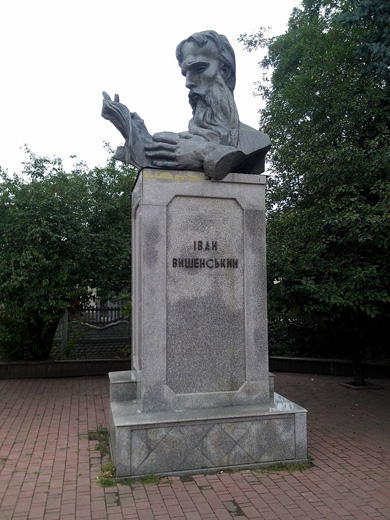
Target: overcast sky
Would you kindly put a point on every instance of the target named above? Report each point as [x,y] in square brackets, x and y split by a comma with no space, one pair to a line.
[57,56]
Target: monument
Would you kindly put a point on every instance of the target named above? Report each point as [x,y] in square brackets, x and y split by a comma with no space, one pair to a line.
[199,396]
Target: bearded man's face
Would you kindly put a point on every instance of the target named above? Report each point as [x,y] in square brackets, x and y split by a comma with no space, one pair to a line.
[200,69]
[213,107]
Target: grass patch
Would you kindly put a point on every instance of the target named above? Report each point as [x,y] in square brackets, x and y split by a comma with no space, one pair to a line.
[146,480]
[103,440]
[288,467]
[106,477]
[107,473]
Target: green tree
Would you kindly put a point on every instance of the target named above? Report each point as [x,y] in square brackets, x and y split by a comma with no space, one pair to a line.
[60,234]
[328,117]
[373,18]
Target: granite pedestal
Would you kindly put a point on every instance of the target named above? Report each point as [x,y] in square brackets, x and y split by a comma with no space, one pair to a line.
[200,396]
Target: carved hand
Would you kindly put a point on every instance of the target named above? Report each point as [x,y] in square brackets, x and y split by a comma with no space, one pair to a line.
[117,113]
[182,152]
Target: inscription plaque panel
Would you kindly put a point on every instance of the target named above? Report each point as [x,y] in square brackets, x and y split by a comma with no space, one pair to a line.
[205,295]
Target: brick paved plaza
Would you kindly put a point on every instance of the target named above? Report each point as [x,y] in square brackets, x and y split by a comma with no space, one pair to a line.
[48,467]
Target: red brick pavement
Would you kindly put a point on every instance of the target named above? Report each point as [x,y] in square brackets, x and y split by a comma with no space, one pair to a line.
[48,467]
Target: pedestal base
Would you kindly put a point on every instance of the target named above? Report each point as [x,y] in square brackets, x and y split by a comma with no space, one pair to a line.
[206,440]
[199,397]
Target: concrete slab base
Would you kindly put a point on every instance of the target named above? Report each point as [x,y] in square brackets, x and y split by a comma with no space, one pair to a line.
[206,440]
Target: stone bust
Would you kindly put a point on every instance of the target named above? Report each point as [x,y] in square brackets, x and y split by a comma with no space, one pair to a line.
[216,142]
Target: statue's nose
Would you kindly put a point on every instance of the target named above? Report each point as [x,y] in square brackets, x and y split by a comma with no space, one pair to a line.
[190,80]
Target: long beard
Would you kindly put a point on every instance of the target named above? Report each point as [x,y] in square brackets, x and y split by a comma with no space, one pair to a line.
[215,115]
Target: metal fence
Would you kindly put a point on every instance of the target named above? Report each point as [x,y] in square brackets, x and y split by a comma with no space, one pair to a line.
[102,314]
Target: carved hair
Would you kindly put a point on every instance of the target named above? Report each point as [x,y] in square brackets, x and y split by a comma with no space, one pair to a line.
[225,51]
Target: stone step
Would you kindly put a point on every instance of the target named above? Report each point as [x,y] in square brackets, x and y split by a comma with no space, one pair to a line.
[123,386]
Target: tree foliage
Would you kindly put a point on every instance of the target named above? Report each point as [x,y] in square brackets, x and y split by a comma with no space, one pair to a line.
[372,17]
[327,111]
[61,233]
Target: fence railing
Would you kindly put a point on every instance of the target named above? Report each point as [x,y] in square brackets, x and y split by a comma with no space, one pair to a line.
[102,314]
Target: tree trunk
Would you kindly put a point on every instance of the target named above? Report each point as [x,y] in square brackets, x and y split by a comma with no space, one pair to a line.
[40,338]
